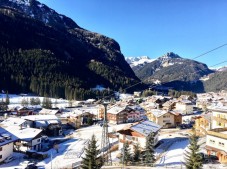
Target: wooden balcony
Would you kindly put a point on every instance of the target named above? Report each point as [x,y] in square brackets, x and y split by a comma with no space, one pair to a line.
[217,133]
[218,119]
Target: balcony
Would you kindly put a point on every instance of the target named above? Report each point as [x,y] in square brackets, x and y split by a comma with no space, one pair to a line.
[219,132]
[218,119]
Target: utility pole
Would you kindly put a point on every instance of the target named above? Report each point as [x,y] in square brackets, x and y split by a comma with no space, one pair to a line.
[105,144]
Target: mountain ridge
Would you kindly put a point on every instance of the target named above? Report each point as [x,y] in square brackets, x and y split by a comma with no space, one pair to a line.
[68,59]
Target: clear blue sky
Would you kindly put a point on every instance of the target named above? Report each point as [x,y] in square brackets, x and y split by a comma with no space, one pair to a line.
[155,27]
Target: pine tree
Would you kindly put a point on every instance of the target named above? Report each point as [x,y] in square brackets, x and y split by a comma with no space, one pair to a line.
[91,161]
[125,154]
[7,98]
[193,160]
[136,153]
[149,150]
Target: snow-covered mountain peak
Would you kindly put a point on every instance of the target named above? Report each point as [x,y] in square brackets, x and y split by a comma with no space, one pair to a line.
[140,60]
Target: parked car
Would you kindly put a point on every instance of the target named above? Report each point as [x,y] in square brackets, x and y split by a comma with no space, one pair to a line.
[8,159]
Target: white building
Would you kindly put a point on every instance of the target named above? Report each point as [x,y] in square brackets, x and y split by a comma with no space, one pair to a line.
[185,106]
[7,140]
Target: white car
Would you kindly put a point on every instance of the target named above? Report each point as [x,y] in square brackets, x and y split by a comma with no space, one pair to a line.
[8,159]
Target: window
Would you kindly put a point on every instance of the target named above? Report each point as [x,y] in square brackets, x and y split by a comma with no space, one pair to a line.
[212,141]
[221,144]
[0,156]
[38,140]
[0,148]
[134,138]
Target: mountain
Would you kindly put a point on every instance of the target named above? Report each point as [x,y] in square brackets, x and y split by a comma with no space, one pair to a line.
[138,62]
[174,71]
[216,81]
[47,53]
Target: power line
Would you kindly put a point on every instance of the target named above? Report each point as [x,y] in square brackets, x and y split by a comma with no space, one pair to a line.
[210,51]
[176,79]
[219,63]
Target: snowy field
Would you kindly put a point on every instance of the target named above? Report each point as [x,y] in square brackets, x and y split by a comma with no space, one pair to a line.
[16,100]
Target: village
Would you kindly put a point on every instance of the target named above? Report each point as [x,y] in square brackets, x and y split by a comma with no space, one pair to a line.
[41,137]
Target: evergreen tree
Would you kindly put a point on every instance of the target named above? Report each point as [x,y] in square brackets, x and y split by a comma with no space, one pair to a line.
[37,101]
[7,98]
[125,154]
[149,150]
[136,153]
[193,160]
[91,161]
[47,103]
[32,101]
[24,102]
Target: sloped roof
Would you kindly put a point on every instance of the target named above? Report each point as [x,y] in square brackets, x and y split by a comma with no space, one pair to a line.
[13,121]
[116,109]
[145,127]
[48,111]
[40,117]
[5,141]
[26,134]
[157,112]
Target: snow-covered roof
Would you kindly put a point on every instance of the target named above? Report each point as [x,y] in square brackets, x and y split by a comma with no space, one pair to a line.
[12,121]
[40,117]
[158,113]
[146,127]
[4,141]
[218,108]
[26,134]
[48,111]
[116,109]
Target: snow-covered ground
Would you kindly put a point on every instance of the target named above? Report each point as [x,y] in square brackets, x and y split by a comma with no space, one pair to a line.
[16,100]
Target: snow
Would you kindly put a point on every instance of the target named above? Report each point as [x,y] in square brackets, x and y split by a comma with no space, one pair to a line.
[16,100]
[135,61]
[21,2]
[175,153]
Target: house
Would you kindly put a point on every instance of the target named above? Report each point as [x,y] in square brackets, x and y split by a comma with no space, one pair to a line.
[137,134]
[203,124]
[185,106]
[7,140]
[50,124]
[219,116]
[135,113]
[216,144]
[165,118]
[28,138]
[13,121]
[50,112]
[168,105]
[24,111]
[117,114]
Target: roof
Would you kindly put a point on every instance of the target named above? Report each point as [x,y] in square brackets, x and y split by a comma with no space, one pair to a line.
[116,109]
[25,134]
[145,127]
[6,141]
[157,112]
[13,121]
[48,111]
[40,117]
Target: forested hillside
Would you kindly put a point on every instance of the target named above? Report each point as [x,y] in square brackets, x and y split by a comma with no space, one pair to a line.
[52,61]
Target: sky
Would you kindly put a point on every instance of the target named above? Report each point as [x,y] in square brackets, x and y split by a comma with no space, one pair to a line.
[155,27]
